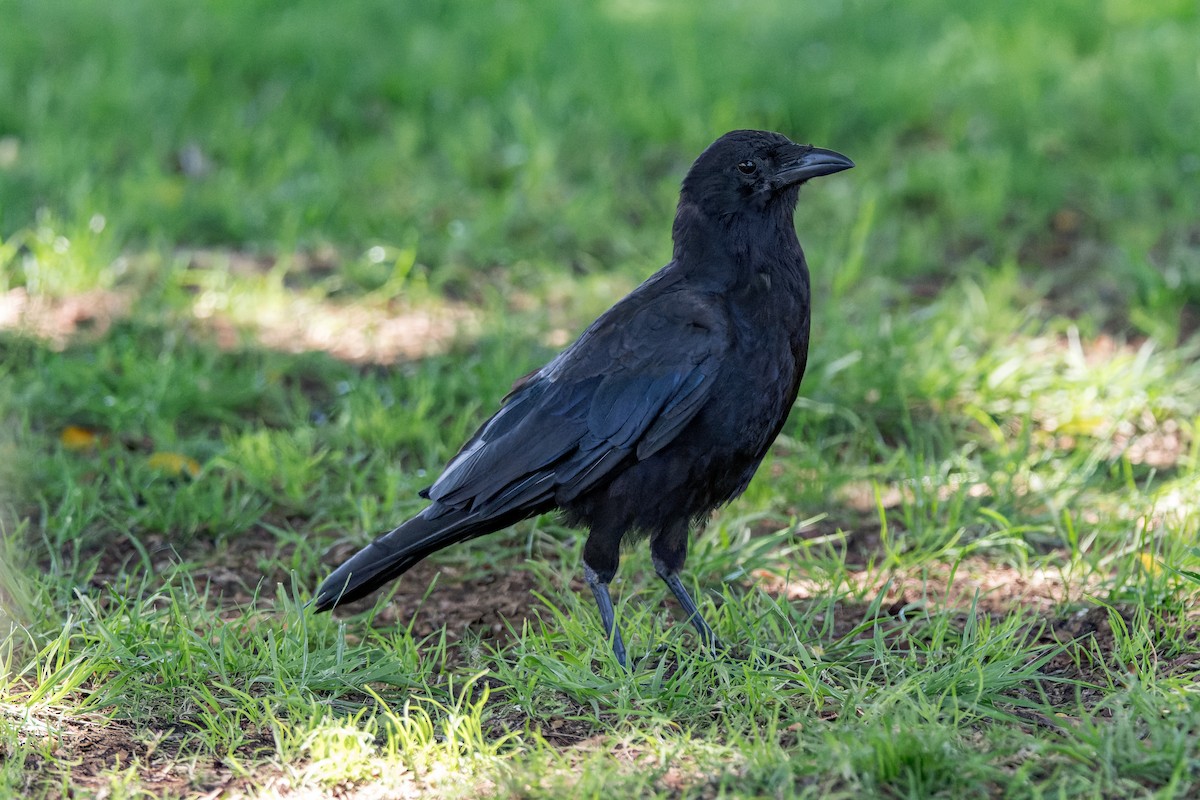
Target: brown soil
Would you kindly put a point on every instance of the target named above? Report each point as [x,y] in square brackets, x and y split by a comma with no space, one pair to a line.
[56,320]
[360,333]
[93,750]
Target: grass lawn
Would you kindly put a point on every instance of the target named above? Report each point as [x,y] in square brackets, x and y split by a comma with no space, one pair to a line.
[264,266]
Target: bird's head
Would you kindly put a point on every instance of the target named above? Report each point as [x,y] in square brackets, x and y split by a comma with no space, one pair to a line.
[749,171]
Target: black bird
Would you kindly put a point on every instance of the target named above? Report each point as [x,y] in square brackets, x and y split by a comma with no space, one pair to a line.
[663,409]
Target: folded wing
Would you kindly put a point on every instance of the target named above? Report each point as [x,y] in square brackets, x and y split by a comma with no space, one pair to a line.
[623,391]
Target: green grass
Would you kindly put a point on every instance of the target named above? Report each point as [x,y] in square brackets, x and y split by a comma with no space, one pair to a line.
[310,248]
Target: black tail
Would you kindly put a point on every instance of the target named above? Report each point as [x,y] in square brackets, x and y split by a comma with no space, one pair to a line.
[392,554]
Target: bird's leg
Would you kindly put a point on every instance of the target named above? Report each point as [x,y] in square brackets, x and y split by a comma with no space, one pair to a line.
[607,616]
[707,637]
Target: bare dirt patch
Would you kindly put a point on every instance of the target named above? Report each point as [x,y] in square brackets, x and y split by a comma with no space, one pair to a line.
[375,330]
[95,752]
[971,583]
[351,332]
[435,597]
[289,318]
[57,320]
[480,602]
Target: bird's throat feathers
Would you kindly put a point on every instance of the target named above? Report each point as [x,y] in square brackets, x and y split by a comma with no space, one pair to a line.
[727,244]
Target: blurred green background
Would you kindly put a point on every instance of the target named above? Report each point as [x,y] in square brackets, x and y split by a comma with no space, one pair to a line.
[553,136]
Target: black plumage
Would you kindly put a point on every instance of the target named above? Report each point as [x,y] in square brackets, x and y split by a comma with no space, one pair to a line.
[665,406]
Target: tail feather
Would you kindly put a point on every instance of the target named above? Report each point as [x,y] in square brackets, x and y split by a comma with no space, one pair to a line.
[394,553]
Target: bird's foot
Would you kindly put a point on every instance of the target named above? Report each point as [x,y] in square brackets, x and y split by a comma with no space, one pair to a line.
[608,616]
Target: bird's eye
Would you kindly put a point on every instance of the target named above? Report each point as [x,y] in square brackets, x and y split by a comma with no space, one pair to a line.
[747,167]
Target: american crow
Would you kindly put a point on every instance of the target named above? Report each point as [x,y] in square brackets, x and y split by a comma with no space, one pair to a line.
[663,408]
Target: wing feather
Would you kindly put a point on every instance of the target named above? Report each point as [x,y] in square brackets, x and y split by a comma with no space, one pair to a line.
[623,391]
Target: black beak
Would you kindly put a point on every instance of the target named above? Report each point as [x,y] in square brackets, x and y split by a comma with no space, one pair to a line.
[809,162]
